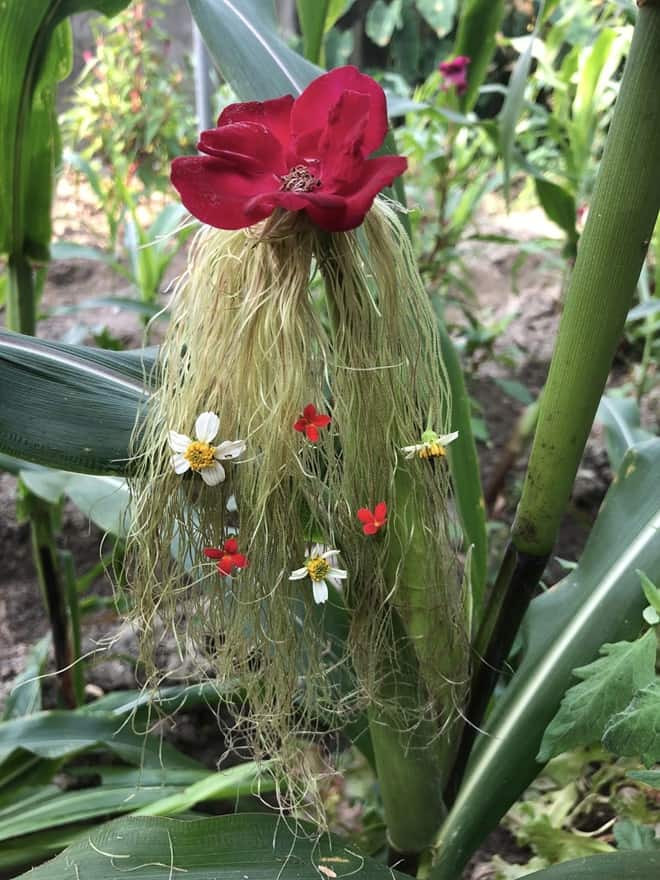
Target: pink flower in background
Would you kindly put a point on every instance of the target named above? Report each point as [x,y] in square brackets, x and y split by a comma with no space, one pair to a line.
[454,73]
[87,56]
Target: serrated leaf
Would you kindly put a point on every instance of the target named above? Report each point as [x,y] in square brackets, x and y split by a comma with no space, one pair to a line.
[222,848]
[607,686]
[558,844]
[633,836]
[635,732]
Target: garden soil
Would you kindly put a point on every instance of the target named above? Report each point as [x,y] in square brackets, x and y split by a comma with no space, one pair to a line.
[521,353]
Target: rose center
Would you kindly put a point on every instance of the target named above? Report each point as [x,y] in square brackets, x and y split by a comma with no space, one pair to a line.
[432,450]
[200,455]
[318,568]
[300,179]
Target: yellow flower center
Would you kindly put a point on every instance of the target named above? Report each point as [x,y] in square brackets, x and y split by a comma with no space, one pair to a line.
[431,450]
[300,179]
[318,568]
[200,455]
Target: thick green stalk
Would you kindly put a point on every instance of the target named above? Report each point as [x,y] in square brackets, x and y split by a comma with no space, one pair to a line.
[620,222]
[610,256]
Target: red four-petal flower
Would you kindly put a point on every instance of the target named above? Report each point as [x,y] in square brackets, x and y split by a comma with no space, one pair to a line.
[373,522]
[454,73]
[310,154]
[228,557]
[310,421]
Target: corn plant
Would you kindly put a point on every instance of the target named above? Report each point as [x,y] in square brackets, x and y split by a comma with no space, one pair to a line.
[413,642]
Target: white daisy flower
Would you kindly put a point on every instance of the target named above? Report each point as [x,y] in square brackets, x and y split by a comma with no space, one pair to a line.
[432,445]
[199,455]
[319,568]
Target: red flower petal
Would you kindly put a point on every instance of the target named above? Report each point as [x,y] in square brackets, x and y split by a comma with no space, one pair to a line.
[230,545]
[309,412]
[225,566]
[380,511]
[310,111]
[300,425]
[274,115]
[365,515]
[217,193]
[246,146]
[213,553]
[239,560]
[322,421]
[312,433]
[370,528]
[375,175]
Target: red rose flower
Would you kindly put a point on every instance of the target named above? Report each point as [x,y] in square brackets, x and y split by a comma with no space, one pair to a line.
[454,73]
[310,154]
[228,557]
[310,421]
[373,522]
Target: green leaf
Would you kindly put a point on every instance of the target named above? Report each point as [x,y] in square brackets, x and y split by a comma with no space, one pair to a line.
[607,686]
[558,204]
[513,102]
[64,734]
[633,836]
[224,848]
[312,15]
[35,52]
[635,732]
[25,695]
[464,465]
[478,25]
[599,601]
[382,20]
[648,777]
[620,416]
[651,592]
[439,14]
[68,406]
[614,866]
[244,779]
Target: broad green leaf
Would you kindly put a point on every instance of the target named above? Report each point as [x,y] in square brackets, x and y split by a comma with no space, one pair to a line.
[439,14]
[312,15]
[613,866]
[478,24]
[600,601]
[635,732]
[104,499]
[558,204]
[25,696]
[607,686]
[648,777]
[68,406]
[170,699]
[382,20]
[243,40]
[632,835]
[35,52]
[259,847]
[620,416]
[64,734]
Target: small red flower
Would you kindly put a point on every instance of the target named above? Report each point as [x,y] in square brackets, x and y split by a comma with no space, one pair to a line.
[228,557]
[454,73]
[310,154]
[372,523]
[310,421]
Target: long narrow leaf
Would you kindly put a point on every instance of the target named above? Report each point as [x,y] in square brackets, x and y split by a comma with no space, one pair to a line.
[225,848]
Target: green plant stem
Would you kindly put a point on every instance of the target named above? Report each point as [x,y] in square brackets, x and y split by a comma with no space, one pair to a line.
[610,256]
[21,305]
[73,603]
[50,581]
